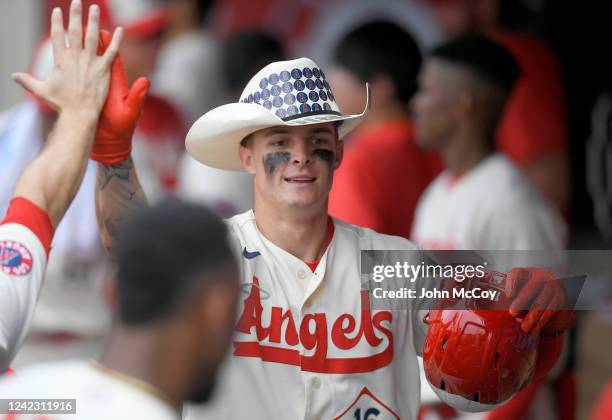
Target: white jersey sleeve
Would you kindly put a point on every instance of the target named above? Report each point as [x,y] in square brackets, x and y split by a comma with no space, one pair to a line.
[23,260]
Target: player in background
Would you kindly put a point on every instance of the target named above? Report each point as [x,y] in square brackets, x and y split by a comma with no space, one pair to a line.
[76,89]
[188,66]
[383,196]
[482,201]
[307,343]
[533,132]
[176,294]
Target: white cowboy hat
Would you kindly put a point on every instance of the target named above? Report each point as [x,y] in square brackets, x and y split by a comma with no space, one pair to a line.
[285,93]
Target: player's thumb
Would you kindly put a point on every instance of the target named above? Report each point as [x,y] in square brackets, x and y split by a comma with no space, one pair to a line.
[29,83]
[137,94]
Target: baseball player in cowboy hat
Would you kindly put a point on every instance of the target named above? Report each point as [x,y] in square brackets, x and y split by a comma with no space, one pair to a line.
[307,343]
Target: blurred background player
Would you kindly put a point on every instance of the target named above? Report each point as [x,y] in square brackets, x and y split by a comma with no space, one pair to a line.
[230,192]
[76,90]
[533,132]
[189,67]
[462,94]
[176,297]
[482,201]
[246,52]
[383,171]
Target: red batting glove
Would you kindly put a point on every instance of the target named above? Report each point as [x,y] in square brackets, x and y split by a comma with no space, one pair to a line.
[113,138]
[539,299]
[560,322]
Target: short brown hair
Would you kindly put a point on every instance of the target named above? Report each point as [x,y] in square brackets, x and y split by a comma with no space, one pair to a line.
[245,142]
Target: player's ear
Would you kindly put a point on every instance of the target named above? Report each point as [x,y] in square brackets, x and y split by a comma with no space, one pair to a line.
[217,304]
[109,290]
[466,104]
[339,153]
[216,312]
[383,89]
[245,153]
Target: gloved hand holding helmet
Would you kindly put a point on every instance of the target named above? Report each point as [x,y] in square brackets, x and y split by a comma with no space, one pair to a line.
[477,359]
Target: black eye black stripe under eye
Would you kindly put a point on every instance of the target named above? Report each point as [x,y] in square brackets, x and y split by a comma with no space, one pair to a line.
[324,154]
[272,161]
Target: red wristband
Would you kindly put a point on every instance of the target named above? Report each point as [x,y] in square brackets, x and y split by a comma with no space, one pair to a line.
[111,151]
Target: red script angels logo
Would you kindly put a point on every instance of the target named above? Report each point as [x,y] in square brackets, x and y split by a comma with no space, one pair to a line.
[345,335]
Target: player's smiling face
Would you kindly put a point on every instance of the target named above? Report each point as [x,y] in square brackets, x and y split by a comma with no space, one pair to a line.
[293,166]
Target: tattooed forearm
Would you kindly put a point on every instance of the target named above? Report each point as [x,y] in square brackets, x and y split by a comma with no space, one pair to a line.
[118,192]
[121,171]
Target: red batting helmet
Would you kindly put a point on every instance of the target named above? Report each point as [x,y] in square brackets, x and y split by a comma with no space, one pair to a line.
[477,359]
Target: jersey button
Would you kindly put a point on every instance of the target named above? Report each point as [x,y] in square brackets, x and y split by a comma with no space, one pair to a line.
[308,304]
[301,274]
[316,383]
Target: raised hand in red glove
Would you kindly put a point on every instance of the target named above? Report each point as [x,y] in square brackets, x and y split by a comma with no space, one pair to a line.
[540,299]
[113,138]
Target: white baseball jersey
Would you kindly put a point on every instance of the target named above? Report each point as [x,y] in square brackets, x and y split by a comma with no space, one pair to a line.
[307,344]
[492,207]
[100,394]
[23,260]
